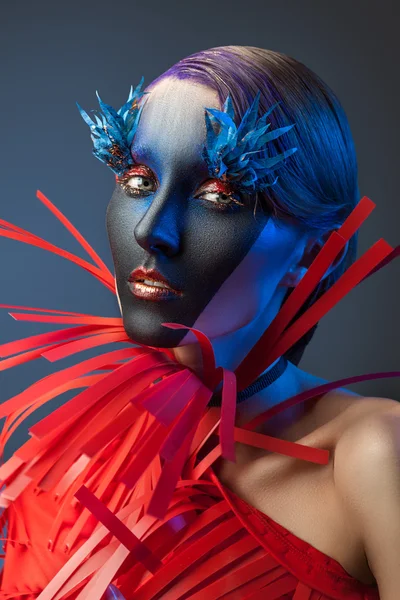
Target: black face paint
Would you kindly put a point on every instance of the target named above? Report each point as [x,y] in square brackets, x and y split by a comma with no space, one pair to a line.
[191,241]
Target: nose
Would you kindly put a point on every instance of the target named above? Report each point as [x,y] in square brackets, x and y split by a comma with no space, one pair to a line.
[159,230]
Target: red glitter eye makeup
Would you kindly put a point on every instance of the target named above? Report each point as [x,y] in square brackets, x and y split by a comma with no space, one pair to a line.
[148,185]
[228,196]
[136,170]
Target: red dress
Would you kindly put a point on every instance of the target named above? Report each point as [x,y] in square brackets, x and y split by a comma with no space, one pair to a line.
[113,486]
[241,554]
[299,568]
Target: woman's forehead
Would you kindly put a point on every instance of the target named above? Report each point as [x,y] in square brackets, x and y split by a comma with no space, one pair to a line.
[172,120]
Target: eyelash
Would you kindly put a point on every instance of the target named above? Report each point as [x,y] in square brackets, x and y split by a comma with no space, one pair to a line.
[234,204]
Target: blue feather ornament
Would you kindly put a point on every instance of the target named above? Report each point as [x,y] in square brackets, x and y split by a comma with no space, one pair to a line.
[113,131]
[240,154]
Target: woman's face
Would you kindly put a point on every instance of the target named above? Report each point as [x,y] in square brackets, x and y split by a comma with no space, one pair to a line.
[225,263]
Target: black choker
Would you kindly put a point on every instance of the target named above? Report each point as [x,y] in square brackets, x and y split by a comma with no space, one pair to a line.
[259,384]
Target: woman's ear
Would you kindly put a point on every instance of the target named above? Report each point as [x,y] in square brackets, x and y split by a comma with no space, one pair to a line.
[311,248]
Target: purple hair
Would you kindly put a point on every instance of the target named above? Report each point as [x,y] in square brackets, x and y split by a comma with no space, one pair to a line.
[318,187]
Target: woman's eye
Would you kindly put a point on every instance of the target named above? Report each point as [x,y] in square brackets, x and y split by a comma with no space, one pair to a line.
[135,185]
[220,199]
[216,197]
[140,183]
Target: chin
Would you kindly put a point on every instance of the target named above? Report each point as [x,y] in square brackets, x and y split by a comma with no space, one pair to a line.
[151,332]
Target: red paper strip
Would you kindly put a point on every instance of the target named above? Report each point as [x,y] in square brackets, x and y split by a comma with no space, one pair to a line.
[177,566]
[23,358]
[207,353]
[192,414]
[316,455]
[9,468]
[356,218]
[149,447]
[101,487]
[160,392]
[73,230]
[394,254]
[257,360]
[47,310]
[228,416]
[66,320]
[172,470]
[289,309]
[45,385]
[116,427]
[316,391]
[140,551]
[206,428]
[80,403]
[212,515]
[167,408]
[211,567]
[40,243]
[64,350]
[283,586]
[43,339]
[350,278]
[243,580]
[20,416]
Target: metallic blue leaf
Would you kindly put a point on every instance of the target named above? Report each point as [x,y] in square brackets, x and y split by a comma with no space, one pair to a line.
[240,153]
[113,131]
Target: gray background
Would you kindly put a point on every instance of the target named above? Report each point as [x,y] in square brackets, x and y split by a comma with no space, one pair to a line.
[53,54]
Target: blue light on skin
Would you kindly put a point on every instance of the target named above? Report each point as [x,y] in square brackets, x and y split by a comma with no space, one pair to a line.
[234,267]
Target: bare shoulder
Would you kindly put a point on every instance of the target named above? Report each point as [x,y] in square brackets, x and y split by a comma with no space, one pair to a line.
[350,408]
[366,476]
[370,425]
[366,442]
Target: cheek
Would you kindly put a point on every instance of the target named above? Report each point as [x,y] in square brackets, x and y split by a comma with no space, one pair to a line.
[270,257]
[246,293]
[214,244]
[117,225]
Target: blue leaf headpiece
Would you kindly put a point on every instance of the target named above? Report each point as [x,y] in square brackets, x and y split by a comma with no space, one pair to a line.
[240,154]
[113,132]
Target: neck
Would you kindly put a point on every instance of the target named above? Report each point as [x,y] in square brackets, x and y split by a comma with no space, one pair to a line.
[231,348]
[290,383]
[229,351]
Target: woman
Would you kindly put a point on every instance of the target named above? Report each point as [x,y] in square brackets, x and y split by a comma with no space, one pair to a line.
[232,171]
